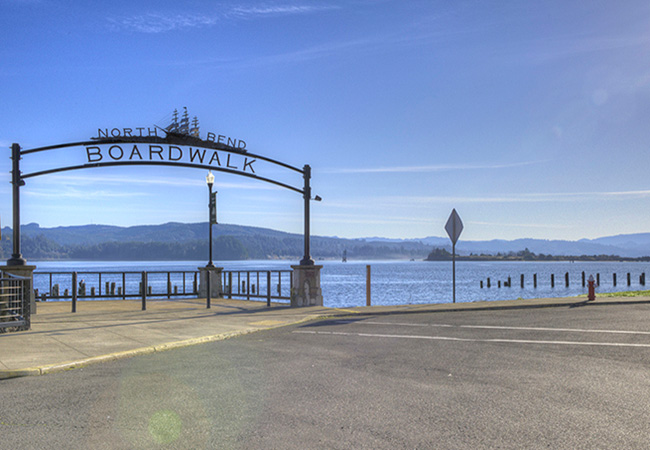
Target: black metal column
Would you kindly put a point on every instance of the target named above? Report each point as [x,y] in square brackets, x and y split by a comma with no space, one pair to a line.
[306,260]
[16,258]
[210,206]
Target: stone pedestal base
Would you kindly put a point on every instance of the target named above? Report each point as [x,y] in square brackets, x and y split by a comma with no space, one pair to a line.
[215,282]
[305,290]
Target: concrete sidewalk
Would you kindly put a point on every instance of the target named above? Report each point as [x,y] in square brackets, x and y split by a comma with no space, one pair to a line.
[106,330]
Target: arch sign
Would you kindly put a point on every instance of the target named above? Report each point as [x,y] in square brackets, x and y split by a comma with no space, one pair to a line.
[178,145]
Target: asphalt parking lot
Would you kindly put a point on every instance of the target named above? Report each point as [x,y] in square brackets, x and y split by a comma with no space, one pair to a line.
[570,377]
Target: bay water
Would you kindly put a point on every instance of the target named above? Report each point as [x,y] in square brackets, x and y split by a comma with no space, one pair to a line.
[393,282]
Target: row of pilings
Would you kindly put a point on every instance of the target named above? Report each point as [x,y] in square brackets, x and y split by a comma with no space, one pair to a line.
[508,281]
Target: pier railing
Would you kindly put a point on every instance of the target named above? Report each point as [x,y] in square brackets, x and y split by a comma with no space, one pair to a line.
[94,285]
[114,285]
[257,284]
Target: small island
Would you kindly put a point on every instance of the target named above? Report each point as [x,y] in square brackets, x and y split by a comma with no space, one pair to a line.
[442,254]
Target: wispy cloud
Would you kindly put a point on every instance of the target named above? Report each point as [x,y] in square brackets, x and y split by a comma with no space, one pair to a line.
[429,168]
[85,180]
[369,219]
[276,10]
[405,202]
[161,22]
[521,198]
[570,46]
[521,225]
[81,194]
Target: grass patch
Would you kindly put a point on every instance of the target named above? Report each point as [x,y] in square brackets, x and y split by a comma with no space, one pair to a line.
[625,294]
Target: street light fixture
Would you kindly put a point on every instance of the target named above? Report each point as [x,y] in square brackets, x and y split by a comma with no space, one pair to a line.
[210,180]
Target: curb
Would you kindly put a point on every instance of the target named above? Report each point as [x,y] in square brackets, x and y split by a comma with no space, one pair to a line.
[470,306]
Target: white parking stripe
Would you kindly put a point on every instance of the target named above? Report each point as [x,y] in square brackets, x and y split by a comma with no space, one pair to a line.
[401,324]
[572,330]
[496,327]
[444,338]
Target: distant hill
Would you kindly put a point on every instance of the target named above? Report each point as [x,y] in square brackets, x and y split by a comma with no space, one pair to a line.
[188,241]
[178,241]
[628,245]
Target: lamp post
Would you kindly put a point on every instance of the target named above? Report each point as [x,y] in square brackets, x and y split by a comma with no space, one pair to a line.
[212,213]
[210,180]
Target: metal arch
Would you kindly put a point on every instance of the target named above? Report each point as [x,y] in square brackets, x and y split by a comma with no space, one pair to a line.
[160,163]
[157,140]
[186,141]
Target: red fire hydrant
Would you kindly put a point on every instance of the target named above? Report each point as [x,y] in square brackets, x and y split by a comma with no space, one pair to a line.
[591,295]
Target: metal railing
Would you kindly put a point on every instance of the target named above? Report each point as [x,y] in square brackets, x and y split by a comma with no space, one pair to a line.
[114,285]
[257,284]
[92,285]
[14,303]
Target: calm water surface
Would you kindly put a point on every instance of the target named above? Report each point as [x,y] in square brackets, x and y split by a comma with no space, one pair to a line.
[401,282]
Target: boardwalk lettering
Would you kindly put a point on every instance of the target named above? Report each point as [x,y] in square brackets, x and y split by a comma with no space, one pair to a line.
[168,153]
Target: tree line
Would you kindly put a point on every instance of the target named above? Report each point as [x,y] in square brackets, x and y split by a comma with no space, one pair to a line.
[225,247]
[441,254]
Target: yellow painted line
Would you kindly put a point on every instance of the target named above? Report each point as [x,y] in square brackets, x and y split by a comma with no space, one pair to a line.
[347,310]
[266,323]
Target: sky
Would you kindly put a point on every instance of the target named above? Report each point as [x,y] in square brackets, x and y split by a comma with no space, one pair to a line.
[531,119]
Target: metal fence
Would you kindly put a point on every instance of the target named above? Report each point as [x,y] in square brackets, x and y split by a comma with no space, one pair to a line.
[238,284]
[114,285]
[14,303]
[257,284]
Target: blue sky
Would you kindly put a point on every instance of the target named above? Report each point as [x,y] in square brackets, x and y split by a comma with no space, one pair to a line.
[529,118]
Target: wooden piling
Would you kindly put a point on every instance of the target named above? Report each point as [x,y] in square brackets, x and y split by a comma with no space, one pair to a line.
[488,282]
[597,279]
[535,280]
[368,298]
[522,280]
[614,279]
[74,292]
[583,278]
[552,280]
[629,280]
[566,279]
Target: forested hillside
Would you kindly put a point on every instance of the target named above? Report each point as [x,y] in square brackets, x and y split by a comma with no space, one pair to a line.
[180,242]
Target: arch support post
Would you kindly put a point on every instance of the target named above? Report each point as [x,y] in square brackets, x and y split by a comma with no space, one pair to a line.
[306,288]
[306,194]
[16,181]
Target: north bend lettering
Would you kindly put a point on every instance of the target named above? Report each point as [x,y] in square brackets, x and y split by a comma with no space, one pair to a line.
[148,132]
[156,153]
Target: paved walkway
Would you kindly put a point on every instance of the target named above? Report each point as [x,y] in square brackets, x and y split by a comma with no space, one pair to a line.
[106,330]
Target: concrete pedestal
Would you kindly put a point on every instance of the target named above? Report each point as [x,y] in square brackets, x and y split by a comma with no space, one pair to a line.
[215,282]
[306,290]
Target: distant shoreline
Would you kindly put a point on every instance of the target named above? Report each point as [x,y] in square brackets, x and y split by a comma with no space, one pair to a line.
[440,254]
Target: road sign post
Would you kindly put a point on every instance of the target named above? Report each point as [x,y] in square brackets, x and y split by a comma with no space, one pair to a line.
[454,227]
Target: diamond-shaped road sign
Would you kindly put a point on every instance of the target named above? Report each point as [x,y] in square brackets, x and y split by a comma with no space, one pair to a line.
[454,226]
